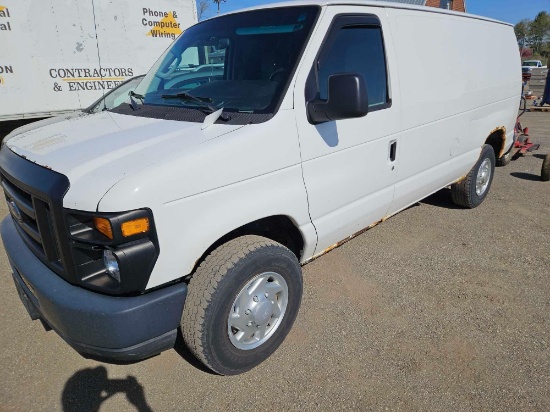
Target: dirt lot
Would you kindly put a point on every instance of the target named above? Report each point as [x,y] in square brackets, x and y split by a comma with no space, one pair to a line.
[438,308]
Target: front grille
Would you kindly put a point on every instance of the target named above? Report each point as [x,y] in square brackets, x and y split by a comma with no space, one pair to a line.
[35,200]
[33,220]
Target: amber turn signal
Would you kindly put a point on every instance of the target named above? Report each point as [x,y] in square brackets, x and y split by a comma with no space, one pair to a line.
[134,227]
[104,226]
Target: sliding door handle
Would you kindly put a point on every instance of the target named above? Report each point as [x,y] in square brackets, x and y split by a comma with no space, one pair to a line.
[393,150]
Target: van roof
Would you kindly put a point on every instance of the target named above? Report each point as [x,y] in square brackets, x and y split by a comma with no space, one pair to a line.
[394,4]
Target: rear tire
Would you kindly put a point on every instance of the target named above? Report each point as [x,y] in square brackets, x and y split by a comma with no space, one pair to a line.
[242,302]
[505,159]
[545,171]
[471,191]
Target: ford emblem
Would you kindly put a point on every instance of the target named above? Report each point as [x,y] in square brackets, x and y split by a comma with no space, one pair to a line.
[14,209]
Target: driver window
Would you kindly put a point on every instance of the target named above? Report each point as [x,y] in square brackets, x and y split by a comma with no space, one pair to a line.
[356,49]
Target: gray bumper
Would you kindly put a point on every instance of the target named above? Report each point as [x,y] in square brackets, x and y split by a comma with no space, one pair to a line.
[121,328]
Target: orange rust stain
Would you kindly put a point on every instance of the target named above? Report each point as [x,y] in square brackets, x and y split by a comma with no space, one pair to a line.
[502,129]
[340,243]
[461,178]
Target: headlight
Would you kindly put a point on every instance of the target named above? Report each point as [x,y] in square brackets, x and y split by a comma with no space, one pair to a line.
[111,264]
[113,252]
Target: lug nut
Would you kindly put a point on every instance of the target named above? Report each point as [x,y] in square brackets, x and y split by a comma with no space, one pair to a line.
[247,312]
[266,294]
[255,298]
[249,324]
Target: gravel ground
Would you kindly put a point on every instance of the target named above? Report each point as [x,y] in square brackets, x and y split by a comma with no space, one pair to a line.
[439,308]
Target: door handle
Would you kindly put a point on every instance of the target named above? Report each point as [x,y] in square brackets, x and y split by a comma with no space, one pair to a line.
[393,150]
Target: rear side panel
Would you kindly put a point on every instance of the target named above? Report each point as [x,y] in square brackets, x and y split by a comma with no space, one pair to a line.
[452,64]
[460,79]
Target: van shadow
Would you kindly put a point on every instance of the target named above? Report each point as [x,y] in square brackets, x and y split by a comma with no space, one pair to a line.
[88,388]
[441,199]
[526,176]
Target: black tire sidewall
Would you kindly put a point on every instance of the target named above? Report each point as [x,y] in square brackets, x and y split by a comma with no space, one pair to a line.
[505,159]
[486,152]
[224,356]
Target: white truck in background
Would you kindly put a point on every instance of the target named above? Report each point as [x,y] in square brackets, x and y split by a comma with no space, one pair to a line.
[58,57]
[532,64]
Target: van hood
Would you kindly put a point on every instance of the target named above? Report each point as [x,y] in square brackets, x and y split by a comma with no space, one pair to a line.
[97,151]
[44,122]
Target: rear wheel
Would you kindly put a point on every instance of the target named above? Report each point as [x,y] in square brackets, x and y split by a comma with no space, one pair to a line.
[545,171]
[471,191]
[241,304]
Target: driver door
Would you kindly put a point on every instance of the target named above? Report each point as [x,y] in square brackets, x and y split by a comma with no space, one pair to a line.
[349,166]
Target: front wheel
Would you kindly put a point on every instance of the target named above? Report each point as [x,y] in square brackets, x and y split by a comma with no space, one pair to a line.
[471,191]
[242,301]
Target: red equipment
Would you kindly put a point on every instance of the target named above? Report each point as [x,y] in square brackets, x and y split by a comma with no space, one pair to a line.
[523,144]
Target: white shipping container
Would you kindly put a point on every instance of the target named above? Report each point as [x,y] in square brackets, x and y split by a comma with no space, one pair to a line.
[57,56]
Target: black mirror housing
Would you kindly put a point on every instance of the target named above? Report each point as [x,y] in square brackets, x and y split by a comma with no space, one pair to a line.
[347,99]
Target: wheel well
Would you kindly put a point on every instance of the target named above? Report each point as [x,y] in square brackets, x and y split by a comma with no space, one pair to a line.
[278,228]
[497,139]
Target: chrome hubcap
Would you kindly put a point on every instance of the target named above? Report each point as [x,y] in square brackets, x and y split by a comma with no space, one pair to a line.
[257,311]
[483,177]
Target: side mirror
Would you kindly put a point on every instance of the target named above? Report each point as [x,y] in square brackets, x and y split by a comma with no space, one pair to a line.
[223,44]
[347,99]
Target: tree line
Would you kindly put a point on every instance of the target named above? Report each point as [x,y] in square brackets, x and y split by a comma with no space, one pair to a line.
[534,35]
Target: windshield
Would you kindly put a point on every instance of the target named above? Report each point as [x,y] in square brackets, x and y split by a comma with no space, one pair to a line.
[533,64]
[239,62]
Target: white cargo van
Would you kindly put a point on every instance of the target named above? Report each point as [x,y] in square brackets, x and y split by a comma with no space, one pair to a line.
[57,57]
[195,204]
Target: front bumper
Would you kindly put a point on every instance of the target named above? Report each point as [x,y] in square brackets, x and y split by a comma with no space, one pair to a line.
[111,327]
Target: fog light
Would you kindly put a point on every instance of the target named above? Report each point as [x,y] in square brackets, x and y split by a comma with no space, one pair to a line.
[111,265]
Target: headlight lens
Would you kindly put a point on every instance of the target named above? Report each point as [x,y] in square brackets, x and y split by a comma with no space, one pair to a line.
[111,264]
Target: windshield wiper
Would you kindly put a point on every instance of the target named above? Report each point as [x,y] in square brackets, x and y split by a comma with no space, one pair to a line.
[133,103]
[136,95]
[202,101]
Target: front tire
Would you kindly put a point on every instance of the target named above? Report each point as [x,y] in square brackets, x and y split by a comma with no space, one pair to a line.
[242,302]
[471,191]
